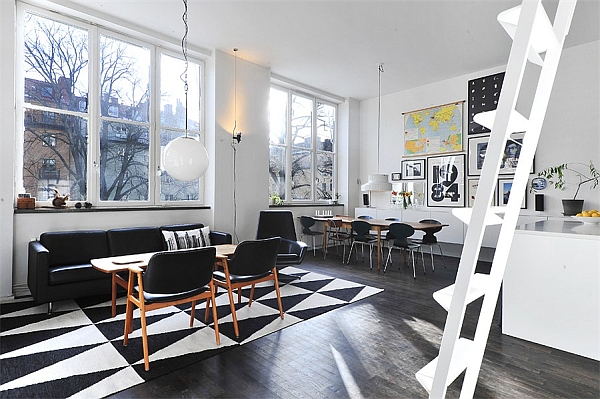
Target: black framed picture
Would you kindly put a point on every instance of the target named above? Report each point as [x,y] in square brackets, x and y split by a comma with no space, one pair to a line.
[396,176]
[483,96]
[504,190]
[477,148]
[413,169]
[446,181]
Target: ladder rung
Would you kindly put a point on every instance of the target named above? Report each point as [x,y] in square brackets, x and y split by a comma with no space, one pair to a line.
[517,123]
[478,287]
[491,217]
[542,35]
[460,359]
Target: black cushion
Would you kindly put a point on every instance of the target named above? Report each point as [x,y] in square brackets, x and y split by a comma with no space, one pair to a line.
[75,247]
[74,273]
[135,240]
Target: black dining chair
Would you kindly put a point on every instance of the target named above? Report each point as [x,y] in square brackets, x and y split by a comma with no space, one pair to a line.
[252,262]
[307,222]
[361,236]
[171,278]
[401,233]
[430,239]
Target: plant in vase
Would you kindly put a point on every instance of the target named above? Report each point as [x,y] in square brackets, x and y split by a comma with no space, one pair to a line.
[556,176]
[406,198]
[275,199]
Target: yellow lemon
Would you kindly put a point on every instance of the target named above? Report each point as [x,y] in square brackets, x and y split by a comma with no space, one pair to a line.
[579,214]
[585,214]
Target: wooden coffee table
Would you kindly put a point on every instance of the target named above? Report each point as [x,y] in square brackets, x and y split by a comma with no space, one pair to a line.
[116,264]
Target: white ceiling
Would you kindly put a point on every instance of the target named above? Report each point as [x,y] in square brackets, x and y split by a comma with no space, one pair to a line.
[336,46]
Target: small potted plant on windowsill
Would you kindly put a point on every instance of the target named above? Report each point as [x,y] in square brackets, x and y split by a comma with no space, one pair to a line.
[275,199]
[556,176]
[336,198]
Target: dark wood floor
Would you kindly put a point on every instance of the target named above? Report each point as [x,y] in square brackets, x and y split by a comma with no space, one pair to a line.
[373,348]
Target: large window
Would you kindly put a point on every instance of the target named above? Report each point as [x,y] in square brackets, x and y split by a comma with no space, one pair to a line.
[90,106]
[302,147]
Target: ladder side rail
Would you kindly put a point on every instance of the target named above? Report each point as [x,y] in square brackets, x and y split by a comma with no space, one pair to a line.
[487,182]
[530,142]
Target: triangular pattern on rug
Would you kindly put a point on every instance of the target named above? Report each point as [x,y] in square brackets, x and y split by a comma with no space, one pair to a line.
[78,349]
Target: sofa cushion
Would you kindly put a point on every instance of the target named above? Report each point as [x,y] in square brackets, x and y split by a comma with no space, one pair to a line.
[134,240]
[74,274]
[193,238]
[170,240]
[74,247]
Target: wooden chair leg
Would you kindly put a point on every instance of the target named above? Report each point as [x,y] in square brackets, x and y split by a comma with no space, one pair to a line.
[192,314]
[277,291]
[251,295]
[239,292]
[144,335]
[128,321]
[215,317]
[233,315]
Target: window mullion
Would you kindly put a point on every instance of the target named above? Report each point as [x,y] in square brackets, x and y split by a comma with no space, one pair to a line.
[93,169]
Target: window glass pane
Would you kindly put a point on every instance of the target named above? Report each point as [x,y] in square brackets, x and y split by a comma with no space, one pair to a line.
[124,150]
[301,175]
[302,122]
[172,93]
[278,107]
[61,165]
[325,127]
[124,80]
[172,189]
[59,81]
[324,178]
[277,171]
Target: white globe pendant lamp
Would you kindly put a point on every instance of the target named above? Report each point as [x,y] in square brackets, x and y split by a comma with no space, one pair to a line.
[185,158]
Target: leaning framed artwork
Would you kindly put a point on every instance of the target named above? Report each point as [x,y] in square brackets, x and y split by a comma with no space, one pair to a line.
[472,185]
[477,150]
[413,169]
[504,190]
[446,181]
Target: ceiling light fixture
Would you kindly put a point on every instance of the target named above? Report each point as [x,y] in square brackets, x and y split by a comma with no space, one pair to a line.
[378,182]
[185,158]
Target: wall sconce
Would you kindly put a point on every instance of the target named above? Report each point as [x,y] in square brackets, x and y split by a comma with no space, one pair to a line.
[236,137]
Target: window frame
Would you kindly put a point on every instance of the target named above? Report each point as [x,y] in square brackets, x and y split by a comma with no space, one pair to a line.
[314,151]
[157,47]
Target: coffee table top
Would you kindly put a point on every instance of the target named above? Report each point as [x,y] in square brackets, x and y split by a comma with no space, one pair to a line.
[121,263]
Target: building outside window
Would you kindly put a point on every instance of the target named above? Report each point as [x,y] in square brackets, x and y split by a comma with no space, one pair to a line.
[302,147]
[117,133]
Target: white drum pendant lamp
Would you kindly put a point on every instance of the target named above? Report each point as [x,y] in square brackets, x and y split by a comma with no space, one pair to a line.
[185,158]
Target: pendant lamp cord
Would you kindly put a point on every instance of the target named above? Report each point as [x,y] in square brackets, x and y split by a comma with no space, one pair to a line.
[184,50]
[379,114]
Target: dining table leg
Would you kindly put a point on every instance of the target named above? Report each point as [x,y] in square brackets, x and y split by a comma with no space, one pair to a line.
[378,249]
[324,240]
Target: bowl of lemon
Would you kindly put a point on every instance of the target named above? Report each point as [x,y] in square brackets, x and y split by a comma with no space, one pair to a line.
[588,217]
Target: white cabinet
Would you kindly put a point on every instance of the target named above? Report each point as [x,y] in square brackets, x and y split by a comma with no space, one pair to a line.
[550,291]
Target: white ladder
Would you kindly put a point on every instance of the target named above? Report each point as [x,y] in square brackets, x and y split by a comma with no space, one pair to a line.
[533,34]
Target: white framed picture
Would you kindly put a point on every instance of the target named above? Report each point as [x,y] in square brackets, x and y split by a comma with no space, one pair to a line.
[446,181]
[472,185]
[504,190]
[512,151]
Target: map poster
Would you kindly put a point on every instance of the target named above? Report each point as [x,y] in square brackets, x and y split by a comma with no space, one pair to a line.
[434,130]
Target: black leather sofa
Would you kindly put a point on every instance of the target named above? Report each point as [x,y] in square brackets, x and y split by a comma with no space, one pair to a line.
[59,265]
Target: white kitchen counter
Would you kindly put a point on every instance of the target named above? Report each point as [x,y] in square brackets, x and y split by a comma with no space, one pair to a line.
[551,287]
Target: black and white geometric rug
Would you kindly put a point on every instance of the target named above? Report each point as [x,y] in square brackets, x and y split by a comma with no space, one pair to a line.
[78,351]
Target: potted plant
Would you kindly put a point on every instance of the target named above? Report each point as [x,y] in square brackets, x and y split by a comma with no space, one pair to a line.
[276,199]
[556,176]
[336,198]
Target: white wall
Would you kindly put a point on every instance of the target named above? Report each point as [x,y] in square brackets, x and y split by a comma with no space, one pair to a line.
[570,132]
[7,138]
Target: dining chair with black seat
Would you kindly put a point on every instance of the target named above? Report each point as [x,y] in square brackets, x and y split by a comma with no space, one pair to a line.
[401,233]
[430,239]
[171,278]
[307,222]
[252,262]
[338,235]
[361,236]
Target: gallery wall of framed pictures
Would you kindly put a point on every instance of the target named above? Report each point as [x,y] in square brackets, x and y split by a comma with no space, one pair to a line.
[451,172]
